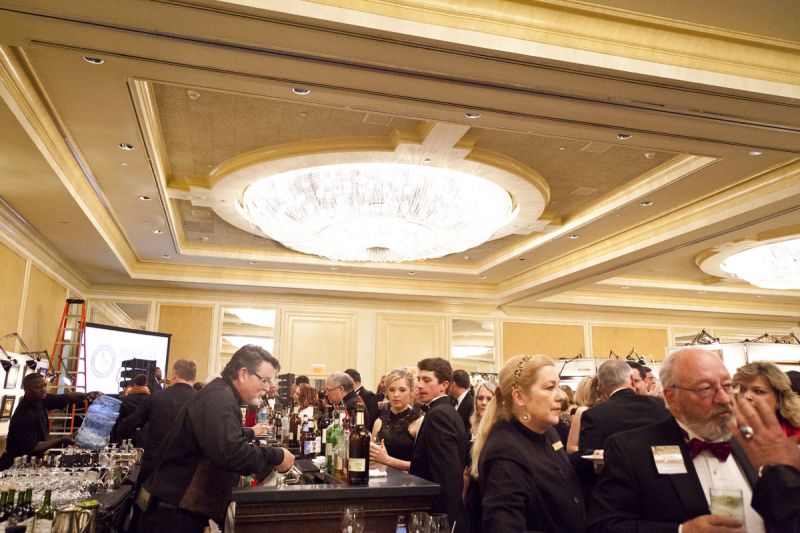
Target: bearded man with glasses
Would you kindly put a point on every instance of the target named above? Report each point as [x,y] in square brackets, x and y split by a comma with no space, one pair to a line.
[659,477]
[206,450]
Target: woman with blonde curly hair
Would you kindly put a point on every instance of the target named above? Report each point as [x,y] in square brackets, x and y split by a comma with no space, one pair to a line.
[395,431]
[768,382]
[587,395]
[524,476]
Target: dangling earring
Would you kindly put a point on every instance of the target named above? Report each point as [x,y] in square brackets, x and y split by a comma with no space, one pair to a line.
[525,415]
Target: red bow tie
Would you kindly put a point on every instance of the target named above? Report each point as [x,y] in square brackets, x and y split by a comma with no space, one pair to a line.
[720,450]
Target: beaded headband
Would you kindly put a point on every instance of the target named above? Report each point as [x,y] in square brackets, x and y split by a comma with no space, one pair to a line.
[518,371]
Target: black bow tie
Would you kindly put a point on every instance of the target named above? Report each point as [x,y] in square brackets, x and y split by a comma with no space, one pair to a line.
[425,407]
[720,450]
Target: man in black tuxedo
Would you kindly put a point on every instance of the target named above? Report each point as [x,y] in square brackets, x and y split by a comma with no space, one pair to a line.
[441,445]
[622,410]
[367,397]
[461,392]
[658,477]
[339,389]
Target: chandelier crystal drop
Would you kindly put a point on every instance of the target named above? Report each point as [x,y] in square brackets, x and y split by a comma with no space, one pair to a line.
[770,266]
[377,212]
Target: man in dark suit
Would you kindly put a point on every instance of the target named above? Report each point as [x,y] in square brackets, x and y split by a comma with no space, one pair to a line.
[441,445]
[658,477]
[367,397]
[461,392]
[622,410]
[158,413]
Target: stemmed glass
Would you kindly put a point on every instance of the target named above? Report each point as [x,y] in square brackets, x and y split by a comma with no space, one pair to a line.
[353,520]
[419,523]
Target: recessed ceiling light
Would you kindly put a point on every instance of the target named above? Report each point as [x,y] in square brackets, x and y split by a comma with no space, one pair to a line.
[649,155]
[755,153]
[157,231]
[64,222]
[625,287]
[93,60]
[412,273]
[520,259]
[204,238]
[562,148]
[624,136]
[472,116]
[426,161]
[166,256]
[192,94]
[484,276]
[646,203]
[701,292]
[302,91]
[145,198]
[335,268]
[126,146]
[466,257]
[574,236]
[253,262]
[124,164]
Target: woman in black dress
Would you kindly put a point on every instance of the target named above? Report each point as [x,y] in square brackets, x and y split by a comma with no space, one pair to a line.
[525,479]
[394,432]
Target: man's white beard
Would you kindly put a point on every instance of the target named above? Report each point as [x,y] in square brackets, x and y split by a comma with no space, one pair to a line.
[713,429]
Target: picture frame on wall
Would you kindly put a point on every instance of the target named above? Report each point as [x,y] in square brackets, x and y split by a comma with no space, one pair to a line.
[11,378]
[42,370]
[7,407]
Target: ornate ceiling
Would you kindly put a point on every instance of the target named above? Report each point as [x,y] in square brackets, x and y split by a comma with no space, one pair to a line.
[641,141]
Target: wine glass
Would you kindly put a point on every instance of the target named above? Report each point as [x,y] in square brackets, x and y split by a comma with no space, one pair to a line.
[419,523]
[353,520]
[439,523]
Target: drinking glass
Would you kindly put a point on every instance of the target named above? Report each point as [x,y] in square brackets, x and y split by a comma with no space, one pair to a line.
[353,520]
[439,523]
[727,502]
[419,523]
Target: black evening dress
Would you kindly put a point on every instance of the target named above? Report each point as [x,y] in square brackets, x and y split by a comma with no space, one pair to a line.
[394,432]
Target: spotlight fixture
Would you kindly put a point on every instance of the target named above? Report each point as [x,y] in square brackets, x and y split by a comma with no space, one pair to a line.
[93,60]
[301,91]
[646,203]
[125,146]
[472,116]
[624,136]
[7,364]
[32,364]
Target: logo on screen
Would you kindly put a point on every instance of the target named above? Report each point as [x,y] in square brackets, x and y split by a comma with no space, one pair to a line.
[103,361]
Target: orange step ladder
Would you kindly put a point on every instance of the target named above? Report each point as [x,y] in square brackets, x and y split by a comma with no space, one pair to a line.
[68,364]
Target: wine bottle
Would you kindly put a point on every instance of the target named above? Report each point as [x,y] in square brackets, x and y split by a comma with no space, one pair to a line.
[43,522]
[3,501]
[306,440]
[294,429]
[358,458]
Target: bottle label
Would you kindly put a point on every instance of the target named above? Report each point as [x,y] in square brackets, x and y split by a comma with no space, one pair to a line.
[357,465]
[308,447]
[325,435]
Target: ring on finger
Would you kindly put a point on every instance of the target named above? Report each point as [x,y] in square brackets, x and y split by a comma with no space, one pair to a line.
[747,432]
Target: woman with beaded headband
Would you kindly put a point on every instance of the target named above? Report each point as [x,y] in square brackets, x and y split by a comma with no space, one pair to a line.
[524,476]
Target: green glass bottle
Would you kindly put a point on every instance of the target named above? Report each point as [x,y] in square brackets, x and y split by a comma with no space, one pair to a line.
[43,522]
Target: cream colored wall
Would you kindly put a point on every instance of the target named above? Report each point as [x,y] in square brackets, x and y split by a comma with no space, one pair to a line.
[12,284]
[190,327]
[44,304]
[552,340]
[648,342]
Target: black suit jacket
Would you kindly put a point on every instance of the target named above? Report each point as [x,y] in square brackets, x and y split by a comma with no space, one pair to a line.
[157,414]
[632,496]
[465,410]
[371,404]
[776,497]
[624,410]
[439,456]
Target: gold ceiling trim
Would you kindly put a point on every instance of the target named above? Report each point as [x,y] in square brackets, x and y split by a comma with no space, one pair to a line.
[599,29]
[27,98]
[763,189]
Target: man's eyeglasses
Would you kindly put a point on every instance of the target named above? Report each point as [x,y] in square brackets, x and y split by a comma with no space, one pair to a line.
[707,391]
[332,389]
[264,382]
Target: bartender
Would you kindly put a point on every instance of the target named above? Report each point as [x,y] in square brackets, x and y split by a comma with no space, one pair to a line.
[28,431]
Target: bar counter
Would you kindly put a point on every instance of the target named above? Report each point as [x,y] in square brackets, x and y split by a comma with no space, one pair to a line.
[318,507]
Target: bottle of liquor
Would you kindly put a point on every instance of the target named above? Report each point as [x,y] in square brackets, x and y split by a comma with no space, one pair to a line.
[331,438]
[294,429]
[278,429]
[29,509]
[315,431]
[324,420]
[358,458]
[43,522]
[16,522]
[3,500]
[9,506]
[306,440]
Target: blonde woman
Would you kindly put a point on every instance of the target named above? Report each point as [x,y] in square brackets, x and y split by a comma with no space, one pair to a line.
[587,395]
[768,382]
[484,394]
[523,472]
[394,432]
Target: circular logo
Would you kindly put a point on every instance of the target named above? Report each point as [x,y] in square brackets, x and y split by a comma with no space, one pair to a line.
[103,361]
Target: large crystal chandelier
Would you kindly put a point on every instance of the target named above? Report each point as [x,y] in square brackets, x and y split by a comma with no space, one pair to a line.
[771,266]
[377,211]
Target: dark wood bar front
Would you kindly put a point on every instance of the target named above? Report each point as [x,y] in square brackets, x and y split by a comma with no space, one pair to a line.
[318,507]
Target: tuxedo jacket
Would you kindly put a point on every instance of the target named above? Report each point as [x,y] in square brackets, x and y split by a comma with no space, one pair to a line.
[631,495]
[465,410]
[439,456]
[776,497]
[623,411]
[371,405]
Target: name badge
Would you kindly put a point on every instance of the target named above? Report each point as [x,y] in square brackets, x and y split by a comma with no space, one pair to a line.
[557,445]
[669,460]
